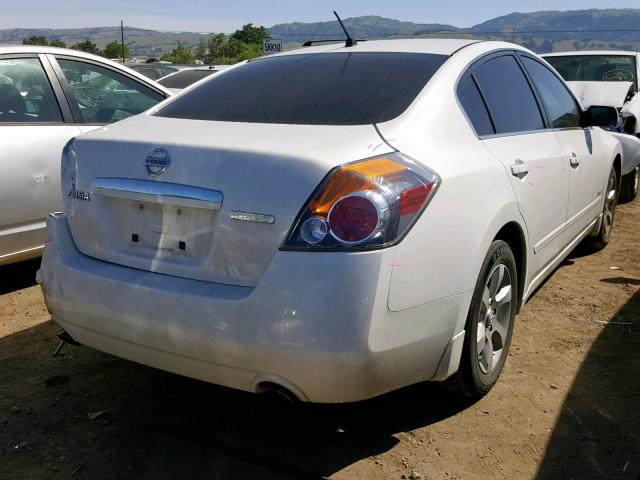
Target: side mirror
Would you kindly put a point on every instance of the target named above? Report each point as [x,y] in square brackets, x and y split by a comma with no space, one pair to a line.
[598,116]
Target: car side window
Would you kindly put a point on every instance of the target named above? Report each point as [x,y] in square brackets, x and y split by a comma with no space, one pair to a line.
[509,97]
[26,95]
[474,107]
[560,106]
[105,96]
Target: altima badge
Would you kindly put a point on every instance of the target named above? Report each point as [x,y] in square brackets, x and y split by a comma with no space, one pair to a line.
[252,217]
[157,162]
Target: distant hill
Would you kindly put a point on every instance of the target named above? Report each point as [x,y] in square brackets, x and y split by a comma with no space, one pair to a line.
[141,42]
[615,29]
[544,31]
[541,31]
[359,27]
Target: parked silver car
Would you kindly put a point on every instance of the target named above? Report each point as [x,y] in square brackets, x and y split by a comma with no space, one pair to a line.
[47,96]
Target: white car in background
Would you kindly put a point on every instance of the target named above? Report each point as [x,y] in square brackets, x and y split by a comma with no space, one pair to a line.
[47,96]
[180,80]
[360,219]
[609,78]
[154,70]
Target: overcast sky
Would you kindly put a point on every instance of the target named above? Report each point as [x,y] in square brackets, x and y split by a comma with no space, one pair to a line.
[226,16]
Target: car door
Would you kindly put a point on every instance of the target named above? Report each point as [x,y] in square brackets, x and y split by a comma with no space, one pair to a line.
[530,152]
[35,124]
[99,94]
[587,160]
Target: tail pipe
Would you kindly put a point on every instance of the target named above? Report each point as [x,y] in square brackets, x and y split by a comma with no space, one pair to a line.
[64,338]
[278,395]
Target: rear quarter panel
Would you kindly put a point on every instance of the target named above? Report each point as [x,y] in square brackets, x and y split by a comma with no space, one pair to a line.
[442,254]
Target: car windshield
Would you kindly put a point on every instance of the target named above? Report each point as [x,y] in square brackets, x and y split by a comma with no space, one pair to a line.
[596,68]
[311,89]
[184,78]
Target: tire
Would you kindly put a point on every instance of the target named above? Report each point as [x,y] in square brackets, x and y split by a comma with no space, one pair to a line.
[629,185]
[603,235]
[492,319]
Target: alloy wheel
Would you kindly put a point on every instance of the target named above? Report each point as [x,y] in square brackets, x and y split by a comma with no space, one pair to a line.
[494,318]
[609,206]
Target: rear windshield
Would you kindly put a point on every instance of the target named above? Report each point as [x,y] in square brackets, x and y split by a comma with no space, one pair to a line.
[596,68]
[311,89]
[184,78]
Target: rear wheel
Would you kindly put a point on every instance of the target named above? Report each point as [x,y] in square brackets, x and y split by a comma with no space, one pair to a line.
[489,322]
[602,237]
[629,185]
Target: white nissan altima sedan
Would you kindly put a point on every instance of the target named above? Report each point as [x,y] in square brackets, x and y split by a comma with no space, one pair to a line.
[335,222]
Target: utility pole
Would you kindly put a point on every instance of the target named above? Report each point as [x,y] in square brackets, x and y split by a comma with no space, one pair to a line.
[122,35]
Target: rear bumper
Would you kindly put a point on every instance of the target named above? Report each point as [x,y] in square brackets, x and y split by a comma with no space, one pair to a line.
[317,324]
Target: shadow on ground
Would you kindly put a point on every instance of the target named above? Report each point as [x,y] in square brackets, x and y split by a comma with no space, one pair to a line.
[597,435]
[157,425]
[18,276]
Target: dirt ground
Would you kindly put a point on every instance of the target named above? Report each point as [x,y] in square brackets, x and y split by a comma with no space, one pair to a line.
[567,405]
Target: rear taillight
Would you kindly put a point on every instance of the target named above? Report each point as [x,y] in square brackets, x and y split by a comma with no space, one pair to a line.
[367,204]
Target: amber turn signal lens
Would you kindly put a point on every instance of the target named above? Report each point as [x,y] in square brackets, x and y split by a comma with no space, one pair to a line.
[353,178]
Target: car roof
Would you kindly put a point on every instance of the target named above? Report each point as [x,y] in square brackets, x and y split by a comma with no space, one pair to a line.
[588,52]
[18,49]
[438,46]
[4,49]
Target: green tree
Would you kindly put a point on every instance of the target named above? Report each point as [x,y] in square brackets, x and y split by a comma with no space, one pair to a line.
[87,46]
[251,35]
[58,43]
[114,50]
[180,54]
[240,51]
[35,40]
[200,50]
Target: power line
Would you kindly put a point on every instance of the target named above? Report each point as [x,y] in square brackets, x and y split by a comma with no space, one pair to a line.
[459,32]
[601,30]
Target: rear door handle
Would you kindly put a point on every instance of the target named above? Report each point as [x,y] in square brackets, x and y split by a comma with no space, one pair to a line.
[574,160]
[520,169]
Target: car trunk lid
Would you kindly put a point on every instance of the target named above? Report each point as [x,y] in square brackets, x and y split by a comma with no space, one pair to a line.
[204,200]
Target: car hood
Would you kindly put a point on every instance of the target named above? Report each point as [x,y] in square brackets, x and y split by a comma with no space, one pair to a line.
[604,94]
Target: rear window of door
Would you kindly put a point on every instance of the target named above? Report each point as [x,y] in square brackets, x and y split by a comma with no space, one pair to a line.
[474,106]
[105,96]
[562,110]
[26,95]
[508,96]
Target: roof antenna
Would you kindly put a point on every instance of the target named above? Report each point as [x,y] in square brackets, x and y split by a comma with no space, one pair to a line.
[350,41]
